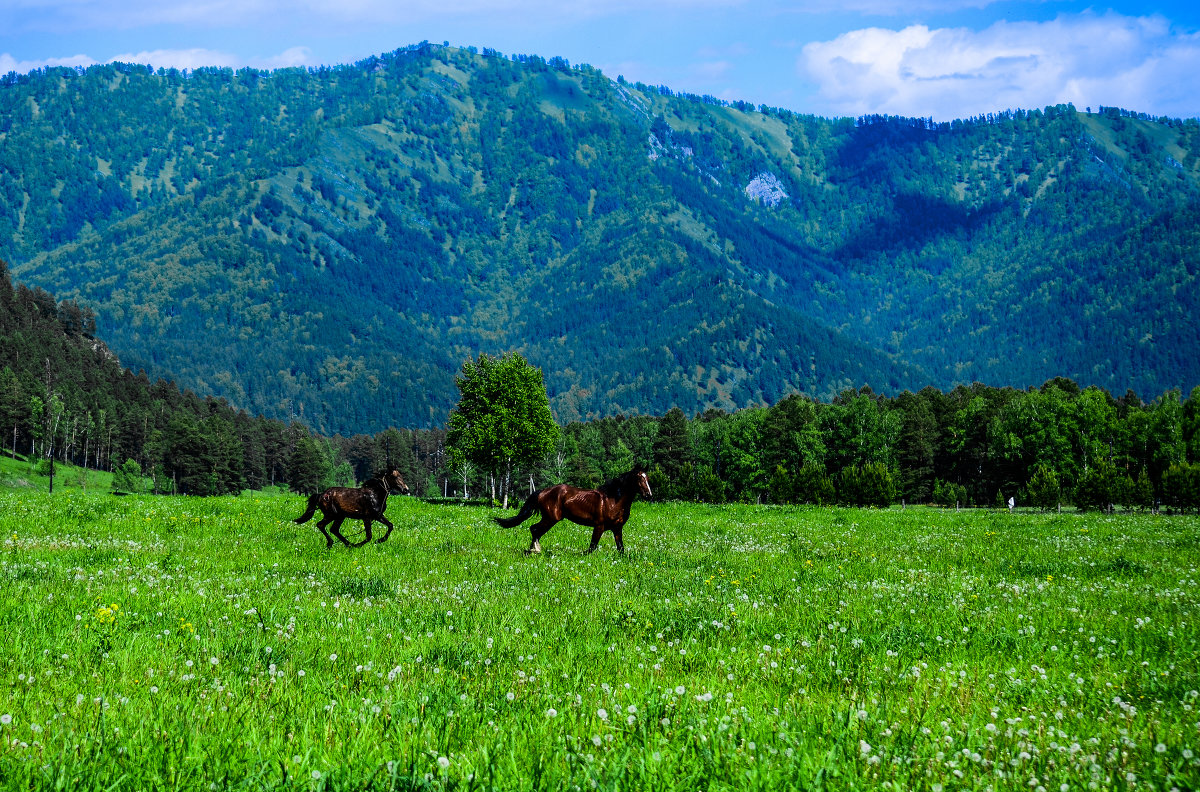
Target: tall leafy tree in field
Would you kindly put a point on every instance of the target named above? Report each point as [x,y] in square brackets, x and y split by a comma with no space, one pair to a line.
[502,420]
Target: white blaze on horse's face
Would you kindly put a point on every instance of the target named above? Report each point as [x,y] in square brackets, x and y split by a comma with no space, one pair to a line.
[644,481]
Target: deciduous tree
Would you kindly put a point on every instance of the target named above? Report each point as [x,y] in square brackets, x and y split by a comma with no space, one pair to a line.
[502,420]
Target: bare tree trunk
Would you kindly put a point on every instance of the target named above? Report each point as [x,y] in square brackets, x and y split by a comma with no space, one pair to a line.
[506,484]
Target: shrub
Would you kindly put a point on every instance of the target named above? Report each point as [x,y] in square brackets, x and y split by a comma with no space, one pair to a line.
[869,485]
[1181,487]
[781,488]
[809,485]
[1043,489]
[701,484]
[813,486]
[660,484]
[1102,487]
[1142,494]
[127,477]
[946,493]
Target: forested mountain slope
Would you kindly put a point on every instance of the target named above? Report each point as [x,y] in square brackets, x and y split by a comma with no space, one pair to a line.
[333,244]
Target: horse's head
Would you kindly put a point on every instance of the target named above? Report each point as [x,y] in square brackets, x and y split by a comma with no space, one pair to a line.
[643,482]
[393,481]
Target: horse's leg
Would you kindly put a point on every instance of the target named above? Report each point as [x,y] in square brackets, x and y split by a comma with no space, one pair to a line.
[617,536]
[597,532]
[337,531]
[537,531]
[367,538]
[321,526]
[389,525]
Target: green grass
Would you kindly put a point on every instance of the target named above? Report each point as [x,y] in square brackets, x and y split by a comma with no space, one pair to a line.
[177,643]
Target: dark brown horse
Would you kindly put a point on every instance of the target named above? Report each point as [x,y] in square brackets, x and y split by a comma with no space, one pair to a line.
[365,503]
[604,509]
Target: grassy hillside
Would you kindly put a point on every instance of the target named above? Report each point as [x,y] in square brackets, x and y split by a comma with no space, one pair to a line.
[332,244]
[19,475]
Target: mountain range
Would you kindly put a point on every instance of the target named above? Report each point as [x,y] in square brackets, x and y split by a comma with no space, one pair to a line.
[332,244]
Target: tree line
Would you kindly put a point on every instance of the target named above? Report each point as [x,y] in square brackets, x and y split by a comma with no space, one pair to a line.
[975,445]
[65,397]
[972,446]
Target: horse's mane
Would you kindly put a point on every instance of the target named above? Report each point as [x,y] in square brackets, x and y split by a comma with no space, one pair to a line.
[376,483]
[613,488]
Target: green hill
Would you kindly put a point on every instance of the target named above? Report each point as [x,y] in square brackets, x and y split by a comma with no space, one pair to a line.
[331,244]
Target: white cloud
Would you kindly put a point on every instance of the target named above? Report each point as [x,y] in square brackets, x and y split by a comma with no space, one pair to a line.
[168,58]
[180,58]
[1139,63]
[294,56]
[10,64]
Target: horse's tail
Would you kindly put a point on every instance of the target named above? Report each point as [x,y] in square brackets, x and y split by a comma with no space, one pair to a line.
[528,509]
[312,509]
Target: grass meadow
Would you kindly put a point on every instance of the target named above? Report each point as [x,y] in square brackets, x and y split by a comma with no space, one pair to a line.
[176,643]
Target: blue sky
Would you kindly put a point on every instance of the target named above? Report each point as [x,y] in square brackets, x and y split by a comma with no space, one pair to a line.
[931,58]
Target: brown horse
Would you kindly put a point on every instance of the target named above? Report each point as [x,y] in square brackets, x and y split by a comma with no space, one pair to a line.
[365,503]
[604,509]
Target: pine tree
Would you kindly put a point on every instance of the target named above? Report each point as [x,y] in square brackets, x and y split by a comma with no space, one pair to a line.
[673,450]
[308,466]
